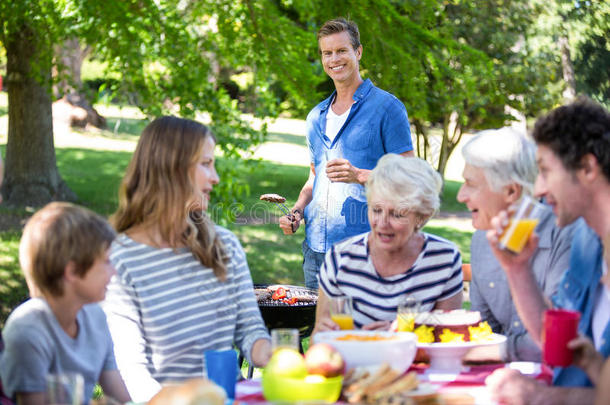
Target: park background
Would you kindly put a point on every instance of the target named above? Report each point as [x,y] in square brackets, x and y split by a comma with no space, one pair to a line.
[81,79]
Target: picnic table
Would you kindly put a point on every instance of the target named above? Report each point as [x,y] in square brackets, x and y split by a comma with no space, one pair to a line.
[464,388]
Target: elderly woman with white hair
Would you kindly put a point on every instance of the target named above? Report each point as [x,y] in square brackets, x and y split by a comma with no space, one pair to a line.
[500,168]
[380,268]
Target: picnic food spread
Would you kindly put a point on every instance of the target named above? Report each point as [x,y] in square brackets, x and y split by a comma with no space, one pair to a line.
[453,326]
[318,375]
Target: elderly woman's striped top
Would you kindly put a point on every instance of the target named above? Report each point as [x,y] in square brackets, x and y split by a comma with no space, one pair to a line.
[348,270]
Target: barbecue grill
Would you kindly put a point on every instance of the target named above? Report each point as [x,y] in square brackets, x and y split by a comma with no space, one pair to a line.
[300,315]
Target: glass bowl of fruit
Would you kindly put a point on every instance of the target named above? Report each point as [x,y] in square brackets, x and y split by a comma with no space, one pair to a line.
[292,377]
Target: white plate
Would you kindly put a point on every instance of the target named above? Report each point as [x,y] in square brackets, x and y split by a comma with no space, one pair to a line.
[448,356]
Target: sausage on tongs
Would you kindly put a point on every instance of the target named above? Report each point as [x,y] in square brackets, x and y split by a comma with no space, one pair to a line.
[279,201]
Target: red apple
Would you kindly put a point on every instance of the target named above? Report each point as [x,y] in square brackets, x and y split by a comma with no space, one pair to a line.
[325,360]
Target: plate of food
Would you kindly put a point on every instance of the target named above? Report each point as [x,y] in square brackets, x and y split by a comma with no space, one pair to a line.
[382,386]
[446,336]
[448,356]
[371,349]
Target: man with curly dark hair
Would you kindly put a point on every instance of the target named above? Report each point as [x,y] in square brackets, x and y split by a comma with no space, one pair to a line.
[573,159]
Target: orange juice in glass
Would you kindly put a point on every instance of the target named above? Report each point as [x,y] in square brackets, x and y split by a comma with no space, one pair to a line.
[342,311]
[345,321]
[521,225]
[406,312]
[406,323]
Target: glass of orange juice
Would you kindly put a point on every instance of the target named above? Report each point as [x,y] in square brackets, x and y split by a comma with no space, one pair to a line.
[521,224]
[406,314]
[342,311]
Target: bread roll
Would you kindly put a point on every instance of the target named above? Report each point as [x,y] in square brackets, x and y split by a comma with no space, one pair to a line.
[197,391]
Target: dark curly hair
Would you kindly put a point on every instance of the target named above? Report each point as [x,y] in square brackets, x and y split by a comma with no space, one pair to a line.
[574,130]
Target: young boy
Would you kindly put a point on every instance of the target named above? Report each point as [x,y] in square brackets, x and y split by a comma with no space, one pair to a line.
[64,256]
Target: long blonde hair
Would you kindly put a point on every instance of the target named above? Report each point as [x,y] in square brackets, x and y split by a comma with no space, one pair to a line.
[158,188]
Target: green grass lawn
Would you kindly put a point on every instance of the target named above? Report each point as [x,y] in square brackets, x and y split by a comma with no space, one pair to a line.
[12,284]
[94,175]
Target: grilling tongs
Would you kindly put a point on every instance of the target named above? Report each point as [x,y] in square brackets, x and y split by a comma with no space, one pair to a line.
[279,201]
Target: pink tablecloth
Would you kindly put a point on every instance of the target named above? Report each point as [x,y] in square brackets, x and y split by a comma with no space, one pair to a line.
[470,381]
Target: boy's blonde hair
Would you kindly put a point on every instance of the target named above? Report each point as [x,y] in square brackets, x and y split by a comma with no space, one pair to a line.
[56,235]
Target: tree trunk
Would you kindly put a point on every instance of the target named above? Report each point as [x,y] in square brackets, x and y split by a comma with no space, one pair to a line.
[70,88]
[452,134]
[421,139]
[568,69]
[70,56]
[32,178]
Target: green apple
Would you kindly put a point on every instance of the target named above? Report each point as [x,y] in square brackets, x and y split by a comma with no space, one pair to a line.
[287,363]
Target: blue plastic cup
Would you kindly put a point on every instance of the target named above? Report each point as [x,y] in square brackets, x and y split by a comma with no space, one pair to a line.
[221,366]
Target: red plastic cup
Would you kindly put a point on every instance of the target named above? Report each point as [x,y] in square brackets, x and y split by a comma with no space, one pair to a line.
[560,326]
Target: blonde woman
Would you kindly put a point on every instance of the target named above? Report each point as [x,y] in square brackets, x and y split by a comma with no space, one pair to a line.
[183,285]
[378,269]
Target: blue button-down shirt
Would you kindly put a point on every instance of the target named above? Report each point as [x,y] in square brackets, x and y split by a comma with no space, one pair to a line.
[490,293]
[577,292]
[377,124]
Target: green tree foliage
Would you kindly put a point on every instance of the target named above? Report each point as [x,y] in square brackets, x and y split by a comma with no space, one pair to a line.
[590,39]
[585,27]
[409,50]
[455,64]
[168,53]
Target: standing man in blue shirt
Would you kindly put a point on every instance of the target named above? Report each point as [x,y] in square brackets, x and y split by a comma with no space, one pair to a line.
[347,134]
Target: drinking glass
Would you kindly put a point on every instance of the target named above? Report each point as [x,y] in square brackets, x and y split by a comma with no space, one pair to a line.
[406,314]
[333,153]
[521,225]
[65,389]
[221,368]
[560,326]
[284,338]
[342,311]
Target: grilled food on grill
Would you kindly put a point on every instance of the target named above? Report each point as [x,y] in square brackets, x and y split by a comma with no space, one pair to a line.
[274,198]
[276,294]
[263,294]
